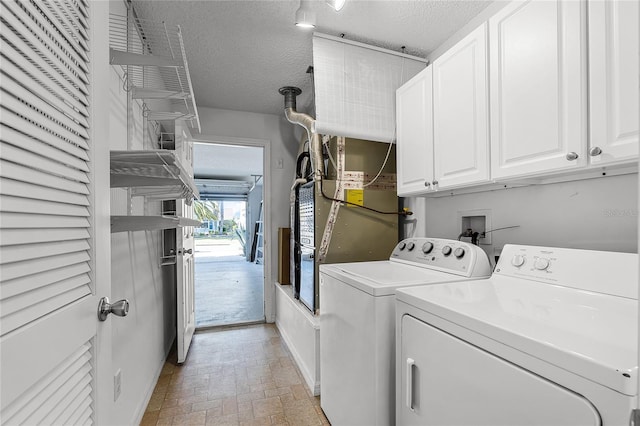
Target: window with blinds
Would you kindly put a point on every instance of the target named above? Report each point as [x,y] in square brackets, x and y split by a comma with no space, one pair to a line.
[45,211]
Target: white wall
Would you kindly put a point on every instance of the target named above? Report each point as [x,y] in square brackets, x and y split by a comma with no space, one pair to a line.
[219,125]
[596,214]
[142,339]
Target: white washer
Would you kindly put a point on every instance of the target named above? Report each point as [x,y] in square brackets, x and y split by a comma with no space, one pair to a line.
[357,303]
[549,339]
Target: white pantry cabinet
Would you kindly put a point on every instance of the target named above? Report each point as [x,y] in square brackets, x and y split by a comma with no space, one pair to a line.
[613,81]
[538,88]
[460,109]
[414,142]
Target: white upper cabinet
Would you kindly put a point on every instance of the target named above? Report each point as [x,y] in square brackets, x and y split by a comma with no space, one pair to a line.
[563,99]
[538,88]
[613,81]
[414,146]
[460,109]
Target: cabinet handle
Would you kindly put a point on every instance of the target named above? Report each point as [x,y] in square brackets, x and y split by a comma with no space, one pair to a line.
[410,363]
[595,151]
[435,182]
[427,184]
[572,156]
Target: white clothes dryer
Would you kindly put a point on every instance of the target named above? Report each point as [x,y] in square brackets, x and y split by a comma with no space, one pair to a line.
[357,307]
[549,339]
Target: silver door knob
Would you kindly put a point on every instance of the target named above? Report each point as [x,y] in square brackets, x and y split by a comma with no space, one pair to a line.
[188,251]
[595,151]
[572,156]
[119,308]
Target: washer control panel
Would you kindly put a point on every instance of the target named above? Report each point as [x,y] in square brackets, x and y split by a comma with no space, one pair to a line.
[444,255]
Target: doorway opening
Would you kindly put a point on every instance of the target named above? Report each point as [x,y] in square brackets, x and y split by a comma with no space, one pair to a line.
[229,274]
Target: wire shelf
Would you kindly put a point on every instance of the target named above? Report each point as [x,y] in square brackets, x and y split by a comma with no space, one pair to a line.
[153,57]
[146,223]
[156,174]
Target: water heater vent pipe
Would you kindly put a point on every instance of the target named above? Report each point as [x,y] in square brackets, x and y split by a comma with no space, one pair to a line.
[308,123]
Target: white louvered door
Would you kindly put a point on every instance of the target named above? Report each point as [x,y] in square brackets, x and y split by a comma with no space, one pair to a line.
[53,252]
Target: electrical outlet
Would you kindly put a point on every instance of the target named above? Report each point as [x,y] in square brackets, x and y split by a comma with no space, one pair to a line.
[477,221]
[117,385]
[280,163]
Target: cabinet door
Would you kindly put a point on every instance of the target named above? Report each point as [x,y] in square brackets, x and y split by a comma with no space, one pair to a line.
[414,142]
[538,88]
[613,81]
[460,110]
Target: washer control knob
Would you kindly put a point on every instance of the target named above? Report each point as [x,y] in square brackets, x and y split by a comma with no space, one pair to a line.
[402,245]
[411,246]
[446,250]
[427,247]
[541,263]
[459,252]
[518,260]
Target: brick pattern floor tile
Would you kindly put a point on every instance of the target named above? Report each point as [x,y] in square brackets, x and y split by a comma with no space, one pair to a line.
[234,376]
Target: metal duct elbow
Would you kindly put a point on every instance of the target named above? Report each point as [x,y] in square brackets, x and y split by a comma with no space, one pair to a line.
[304,120]
[295,117]
[307,122]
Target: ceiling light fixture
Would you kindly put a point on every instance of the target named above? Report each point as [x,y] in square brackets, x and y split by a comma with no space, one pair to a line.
[337,5]
[305,16]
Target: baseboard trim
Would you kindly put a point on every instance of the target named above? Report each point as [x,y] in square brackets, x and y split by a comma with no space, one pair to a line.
[143,408]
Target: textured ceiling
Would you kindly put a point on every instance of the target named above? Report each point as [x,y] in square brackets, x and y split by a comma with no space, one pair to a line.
[241,52]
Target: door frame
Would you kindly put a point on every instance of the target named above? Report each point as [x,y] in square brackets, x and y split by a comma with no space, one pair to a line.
[103,395]
[265,144]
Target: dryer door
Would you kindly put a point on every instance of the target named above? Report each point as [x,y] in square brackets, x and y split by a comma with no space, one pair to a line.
[447,381]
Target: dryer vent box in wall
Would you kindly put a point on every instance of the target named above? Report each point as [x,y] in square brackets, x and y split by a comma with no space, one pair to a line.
[477,221]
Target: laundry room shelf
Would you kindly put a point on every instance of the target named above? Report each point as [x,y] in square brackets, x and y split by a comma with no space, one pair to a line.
[145,223]
[156,174]
[153,58]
